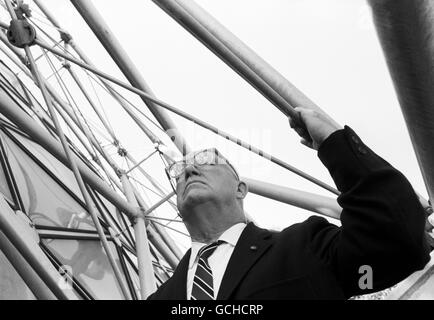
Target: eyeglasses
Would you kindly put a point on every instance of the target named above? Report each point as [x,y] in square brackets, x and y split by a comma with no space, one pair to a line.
[201,158]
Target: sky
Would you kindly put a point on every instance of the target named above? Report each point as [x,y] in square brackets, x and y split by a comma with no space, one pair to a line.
[327,49]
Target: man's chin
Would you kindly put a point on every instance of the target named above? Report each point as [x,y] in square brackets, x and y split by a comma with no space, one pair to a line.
[194,197]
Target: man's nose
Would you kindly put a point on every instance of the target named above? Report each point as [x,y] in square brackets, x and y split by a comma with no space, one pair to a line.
[191,170]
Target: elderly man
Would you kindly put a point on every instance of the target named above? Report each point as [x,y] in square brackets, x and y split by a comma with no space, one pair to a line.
[382,228]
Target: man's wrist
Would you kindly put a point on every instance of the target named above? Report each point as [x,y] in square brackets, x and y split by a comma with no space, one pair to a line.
[329,140]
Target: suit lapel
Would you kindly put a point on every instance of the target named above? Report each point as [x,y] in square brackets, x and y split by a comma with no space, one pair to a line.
[252,244]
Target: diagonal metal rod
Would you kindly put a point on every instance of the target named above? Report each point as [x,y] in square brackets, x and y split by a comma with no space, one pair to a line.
[71,160]
[194,119]
[173,229]
[164,219]
[159,203]
[102,31]
[91,102]
[161,193]
[141,161]
[121,99]
[40,56]
[309,201]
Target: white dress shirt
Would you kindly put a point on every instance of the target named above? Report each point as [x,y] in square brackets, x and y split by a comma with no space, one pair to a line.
[218,261]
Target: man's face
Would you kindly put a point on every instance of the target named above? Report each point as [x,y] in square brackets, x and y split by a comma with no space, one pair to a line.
[199,184]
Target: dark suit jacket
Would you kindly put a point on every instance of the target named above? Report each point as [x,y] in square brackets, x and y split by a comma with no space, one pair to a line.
[382,227]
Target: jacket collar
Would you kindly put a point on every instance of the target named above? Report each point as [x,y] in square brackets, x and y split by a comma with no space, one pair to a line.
[252,244]
[230,236]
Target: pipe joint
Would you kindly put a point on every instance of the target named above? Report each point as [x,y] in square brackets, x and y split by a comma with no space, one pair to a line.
[65,36]
[122,152]
[21,33]
[66,65]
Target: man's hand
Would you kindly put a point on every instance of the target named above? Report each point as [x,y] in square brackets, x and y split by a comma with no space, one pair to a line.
[318,126]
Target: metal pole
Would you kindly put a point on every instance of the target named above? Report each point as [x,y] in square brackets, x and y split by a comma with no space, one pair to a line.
[126,65]
[164,250]
[26,272]
[167,247]
[159,203]
[243,60]
[71,126]
[405,29]
[146,270]
[305,200]
[29,250]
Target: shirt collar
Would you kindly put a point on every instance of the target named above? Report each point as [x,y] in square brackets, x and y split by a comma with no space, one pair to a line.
[230,236]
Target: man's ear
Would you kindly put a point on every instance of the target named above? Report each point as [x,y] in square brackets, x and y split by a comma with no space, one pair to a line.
[242,190]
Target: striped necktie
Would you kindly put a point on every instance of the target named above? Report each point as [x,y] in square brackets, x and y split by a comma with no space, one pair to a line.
[203,281]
